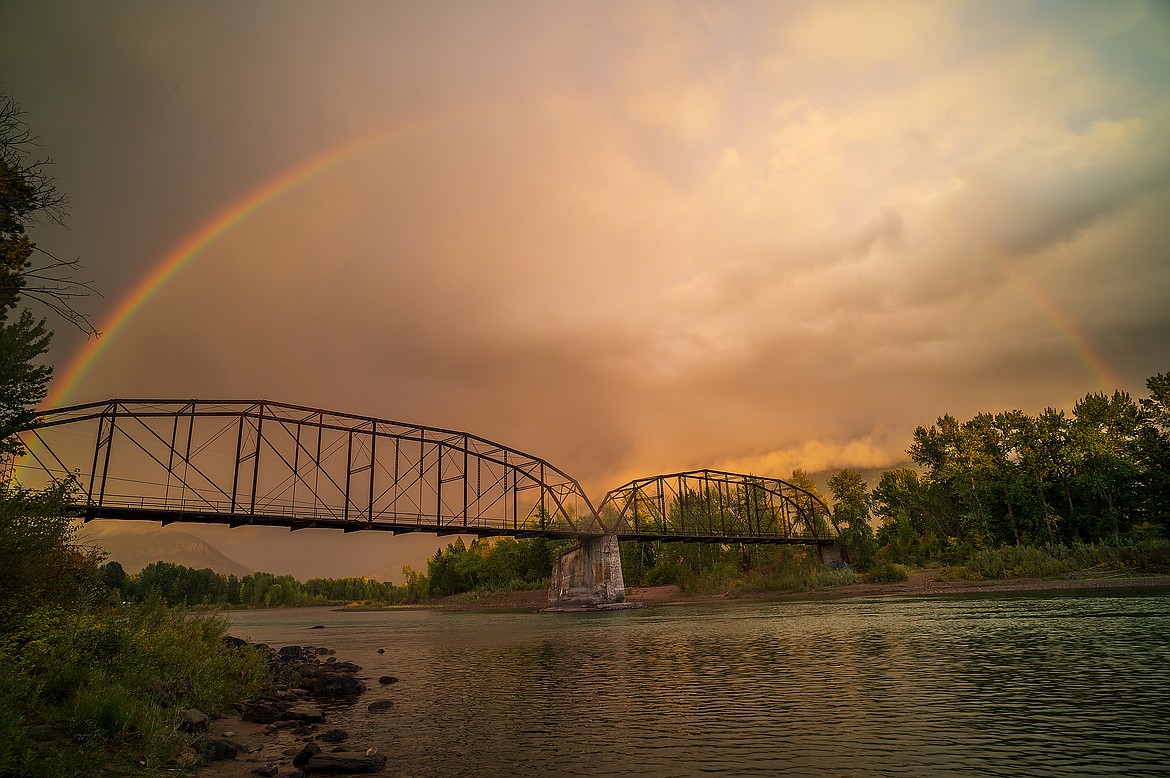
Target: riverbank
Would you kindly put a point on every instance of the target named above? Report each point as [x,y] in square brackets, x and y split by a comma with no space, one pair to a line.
[921,583]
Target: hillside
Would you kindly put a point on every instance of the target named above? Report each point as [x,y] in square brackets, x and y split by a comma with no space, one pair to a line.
[136,546]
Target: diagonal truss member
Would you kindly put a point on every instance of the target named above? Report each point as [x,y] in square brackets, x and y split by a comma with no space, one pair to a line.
[717,506]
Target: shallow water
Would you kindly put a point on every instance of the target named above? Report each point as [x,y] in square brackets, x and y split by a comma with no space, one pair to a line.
[1036,684]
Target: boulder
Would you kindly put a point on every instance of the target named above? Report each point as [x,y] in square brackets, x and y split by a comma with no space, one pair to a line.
[262,711]
[332,684]
[335,736]
[387,679]
[347,763]
[216,748]
[311,749]
[193,720]
[377,706]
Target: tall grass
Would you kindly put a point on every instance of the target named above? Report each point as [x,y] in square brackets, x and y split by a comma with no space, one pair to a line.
[1138,557]
[107,687]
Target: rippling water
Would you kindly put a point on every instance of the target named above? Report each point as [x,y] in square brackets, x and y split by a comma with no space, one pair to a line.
[993,685]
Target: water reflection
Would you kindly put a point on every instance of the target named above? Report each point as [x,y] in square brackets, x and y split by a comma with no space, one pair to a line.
[1006,685]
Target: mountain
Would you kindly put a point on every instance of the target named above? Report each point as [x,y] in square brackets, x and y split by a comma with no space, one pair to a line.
[134,546]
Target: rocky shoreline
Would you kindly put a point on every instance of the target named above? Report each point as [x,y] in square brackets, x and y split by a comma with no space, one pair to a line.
[287,734]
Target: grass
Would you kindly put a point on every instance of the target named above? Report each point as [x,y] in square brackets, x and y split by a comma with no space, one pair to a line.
[1150,557]
[99,692]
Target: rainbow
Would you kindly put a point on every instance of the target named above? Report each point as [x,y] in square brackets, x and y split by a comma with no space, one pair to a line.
[1063,325]
[239,211]
[221,224]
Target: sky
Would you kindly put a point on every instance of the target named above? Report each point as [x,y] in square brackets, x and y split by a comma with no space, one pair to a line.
[626,237]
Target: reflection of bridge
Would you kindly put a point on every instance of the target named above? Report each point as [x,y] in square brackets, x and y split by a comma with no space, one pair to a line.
[272,464]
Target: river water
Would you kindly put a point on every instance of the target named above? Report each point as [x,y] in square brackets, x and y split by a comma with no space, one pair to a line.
[1021,684]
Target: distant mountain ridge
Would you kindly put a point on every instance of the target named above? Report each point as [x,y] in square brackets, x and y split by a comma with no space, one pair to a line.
[134,548]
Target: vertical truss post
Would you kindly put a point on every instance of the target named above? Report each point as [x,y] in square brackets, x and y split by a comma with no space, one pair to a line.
[373,459]
[109,445]
[348,472]
[256,461]
[187,453]
[439,483]
[171,459]
[97,448]
[236,468]
[296,467]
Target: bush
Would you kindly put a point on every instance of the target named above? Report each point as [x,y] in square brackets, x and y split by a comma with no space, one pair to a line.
[1146,556]
[888,572]
[107,680]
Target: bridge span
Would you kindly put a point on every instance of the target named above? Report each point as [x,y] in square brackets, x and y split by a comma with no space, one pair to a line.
[265,463]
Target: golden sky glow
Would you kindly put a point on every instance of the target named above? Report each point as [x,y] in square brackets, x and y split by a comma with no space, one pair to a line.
[627,237]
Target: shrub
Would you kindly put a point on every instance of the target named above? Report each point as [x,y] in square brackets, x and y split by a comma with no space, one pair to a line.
[888,572]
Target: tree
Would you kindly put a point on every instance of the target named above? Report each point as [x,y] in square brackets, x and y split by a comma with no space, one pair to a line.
[851,509]
[27,194]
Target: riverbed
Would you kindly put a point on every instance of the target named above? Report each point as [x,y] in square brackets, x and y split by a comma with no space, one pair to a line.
[1036,683]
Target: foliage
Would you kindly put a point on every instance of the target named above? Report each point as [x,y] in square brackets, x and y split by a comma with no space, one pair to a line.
[106,679]
[888,572]
[1130,555]
[703,568]
[851,510]
[39,562]
[491,566]
[1013,479]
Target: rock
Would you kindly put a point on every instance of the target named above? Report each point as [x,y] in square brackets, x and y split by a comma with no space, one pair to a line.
[266,771]
[377,706]
[381,651]
[335,736]
[193,720]
[293,773]
[311,749]
[262,711]
[387,679]
[317,626]
[216,748]
[303,713]
[232,641]
[345,763]
[331,684]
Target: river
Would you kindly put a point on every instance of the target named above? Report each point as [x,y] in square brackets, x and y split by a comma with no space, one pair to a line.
[1022,684]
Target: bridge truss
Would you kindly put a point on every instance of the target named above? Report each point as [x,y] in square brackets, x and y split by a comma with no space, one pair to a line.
[274,464]
[713,506]
[266,463]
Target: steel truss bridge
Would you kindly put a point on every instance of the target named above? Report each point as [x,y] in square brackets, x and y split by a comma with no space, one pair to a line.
[274,464]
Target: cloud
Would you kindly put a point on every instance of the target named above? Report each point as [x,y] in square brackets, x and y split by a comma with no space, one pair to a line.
[628,238]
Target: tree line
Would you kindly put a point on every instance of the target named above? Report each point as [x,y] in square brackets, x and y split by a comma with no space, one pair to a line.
[500,565]
[1097,474]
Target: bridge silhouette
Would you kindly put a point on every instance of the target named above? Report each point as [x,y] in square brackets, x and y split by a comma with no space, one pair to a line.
[261,463]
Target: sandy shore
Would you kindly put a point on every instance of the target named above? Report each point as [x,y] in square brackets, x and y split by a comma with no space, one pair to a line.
[265,747]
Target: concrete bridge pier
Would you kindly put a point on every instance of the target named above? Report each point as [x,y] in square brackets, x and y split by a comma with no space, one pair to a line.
[832,552]
[588,576]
